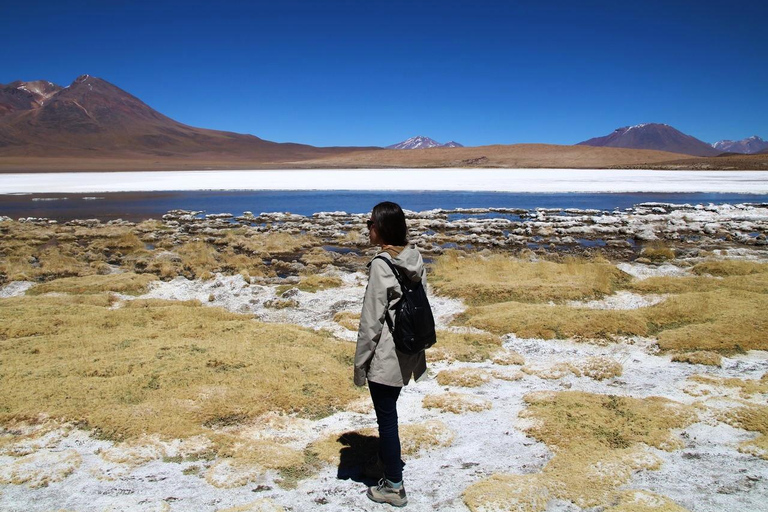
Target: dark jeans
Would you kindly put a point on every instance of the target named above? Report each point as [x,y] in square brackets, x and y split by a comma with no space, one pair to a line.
[385,403]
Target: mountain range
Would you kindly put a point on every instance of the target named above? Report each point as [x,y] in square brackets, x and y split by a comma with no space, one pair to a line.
[421,142]
[92,117]
[92,124]
[748,146]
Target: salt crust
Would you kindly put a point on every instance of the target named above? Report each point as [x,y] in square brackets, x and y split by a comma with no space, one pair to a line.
[133,478]
[494,180]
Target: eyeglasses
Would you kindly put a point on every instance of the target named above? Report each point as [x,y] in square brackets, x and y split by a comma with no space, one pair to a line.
[369,223]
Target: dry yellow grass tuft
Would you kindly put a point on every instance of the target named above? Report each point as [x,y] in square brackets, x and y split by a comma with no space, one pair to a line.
[753,418]
[457,403]
[503,492]
[712,276]
[599,368]
[548,322]
[347,319]
[428,435]
[657,252]
[747,387]
[567,420]
[464,377]
[551,372]
[316,282]
[465,347]
[507,358]
[725,268]
[317,256]
[598,442]
[128,283]
[644,501]
[586,477]
[482,280]
[700,357]
[177,370]
[724,321]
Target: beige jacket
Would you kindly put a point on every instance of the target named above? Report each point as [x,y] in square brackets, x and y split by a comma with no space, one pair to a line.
[376,358]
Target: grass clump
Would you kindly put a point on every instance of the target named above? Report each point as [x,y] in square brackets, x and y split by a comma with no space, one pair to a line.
[755,419]
[598,442]
[724,268]
[347,319]
[465,347]
[315,282]
[464,377]
[549,322]
[482,280]
[128,283]
[147,369]
[700,357]
[457,403]
[657,252]
[724,321]
[571,419]
[507,358]
[710,276]
[746,387]
[599,368]
[644,501]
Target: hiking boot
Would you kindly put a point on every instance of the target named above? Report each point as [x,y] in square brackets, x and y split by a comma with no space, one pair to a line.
[385,493]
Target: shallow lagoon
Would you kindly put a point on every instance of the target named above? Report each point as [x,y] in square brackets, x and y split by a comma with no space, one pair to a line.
[137,206]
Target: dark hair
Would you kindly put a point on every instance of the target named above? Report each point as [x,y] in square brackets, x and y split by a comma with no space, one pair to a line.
[389,220]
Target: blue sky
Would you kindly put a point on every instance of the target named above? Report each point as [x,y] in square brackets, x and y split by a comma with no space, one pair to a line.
[374,73]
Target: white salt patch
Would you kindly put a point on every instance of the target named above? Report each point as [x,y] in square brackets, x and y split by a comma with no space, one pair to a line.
[496,180]
[15,289]
[620,300]
[643,271]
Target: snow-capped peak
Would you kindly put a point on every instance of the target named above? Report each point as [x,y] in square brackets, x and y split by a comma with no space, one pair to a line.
[422,142]
[750,145]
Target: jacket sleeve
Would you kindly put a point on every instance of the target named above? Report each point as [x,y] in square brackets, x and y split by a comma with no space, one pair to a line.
[372,319]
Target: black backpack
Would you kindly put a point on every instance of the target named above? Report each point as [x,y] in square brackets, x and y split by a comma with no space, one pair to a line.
[414,329]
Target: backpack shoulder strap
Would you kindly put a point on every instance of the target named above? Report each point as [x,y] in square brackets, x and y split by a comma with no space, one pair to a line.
[399,281]
[391,266]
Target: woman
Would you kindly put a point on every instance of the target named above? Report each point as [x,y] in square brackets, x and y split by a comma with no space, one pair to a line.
[376,360]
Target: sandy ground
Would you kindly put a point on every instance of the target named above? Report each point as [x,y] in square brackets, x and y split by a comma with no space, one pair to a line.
[493,180]
[709,474]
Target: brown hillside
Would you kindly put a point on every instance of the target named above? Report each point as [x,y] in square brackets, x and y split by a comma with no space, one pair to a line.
[507,156]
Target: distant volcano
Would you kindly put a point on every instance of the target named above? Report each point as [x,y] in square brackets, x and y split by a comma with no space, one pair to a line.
[93,118]
[748,146]
[421,142]
[661,137]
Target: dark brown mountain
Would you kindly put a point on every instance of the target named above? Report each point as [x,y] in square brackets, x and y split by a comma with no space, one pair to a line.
[25,95]
[94,118]
[656,136]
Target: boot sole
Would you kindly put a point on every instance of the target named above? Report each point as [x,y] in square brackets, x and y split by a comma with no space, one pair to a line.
[373,498]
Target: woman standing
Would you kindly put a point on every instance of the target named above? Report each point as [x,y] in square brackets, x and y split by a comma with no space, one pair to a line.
[377,360]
